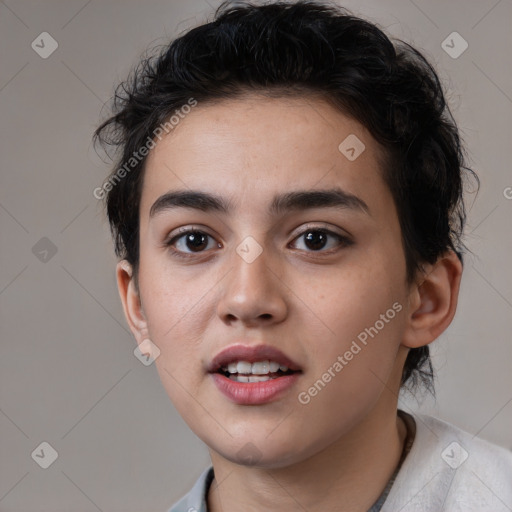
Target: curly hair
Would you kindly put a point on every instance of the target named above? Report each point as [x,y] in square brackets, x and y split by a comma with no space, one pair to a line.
[305,48]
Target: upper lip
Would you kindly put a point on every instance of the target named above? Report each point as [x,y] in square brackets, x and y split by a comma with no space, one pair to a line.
[251,354]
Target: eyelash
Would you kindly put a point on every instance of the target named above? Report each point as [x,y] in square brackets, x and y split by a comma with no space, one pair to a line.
[343,241]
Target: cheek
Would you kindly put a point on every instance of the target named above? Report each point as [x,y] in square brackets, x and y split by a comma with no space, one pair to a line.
[351,366]
[351,298]
[361,309]
[177,316]
[173,300]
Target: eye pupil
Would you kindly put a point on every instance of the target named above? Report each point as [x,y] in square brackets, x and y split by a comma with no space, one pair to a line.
[315,239]
[197,241]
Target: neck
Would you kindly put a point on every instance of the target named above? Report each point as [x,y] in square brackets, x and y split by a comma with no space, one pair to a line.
[351,473]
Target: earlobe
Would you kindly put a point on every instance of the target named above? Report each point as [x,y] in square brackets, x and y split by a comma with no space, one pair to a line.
[130,299]
[433,301]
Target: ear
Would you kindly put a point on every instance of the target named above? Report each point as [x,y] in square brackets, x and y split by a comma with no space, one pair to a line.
[132,305]
[433,301]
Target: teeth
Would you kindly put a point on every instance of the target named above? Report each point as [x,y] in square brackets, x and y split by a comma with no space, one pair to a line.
[243,371]
[244,367]
[260,368]
[256,378]
[257,368]
[274,366]
[249,378]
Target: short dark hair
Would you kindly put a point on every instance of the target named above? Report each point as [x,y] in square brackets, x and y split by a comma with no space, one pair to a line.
[305,48]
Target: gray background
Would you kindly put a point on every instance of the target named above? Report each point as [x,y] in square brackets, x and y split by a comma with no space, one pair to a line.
[68,375]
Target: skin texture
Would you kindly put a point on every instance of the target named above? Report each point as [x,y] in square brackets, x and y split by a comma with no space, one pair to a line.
[341,447]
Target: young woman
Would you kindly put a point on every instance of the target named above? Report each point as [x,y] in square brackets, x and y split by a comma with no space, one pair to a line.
[287,210]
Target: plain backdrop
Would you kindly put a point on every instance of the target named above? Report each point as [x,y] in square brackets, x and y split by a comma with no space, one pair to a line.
[68,375]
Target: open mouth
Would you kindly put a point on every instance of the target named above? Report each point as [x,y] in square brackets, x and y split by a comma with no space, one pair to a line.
[259,371]
[253,375]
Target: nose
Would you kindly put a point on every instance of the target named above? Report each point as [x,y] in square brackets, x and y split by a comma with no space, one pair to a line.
[252,294]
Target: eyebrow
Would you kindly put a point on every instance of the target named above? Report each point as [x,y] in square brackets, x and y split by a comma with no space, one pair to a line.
[289,201]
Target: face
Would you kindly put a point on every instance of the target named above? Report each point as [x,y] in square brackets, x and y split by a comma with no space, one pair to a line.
[283,250]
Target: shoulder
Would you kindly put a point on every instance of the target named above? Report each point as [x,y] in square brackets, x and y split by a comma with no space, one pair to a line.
[449,469]
[464,447]
[195,499]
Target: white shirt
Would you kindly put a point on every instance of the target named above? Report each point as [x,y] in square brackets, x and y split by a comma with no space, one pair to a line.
[449,470]
[446,470]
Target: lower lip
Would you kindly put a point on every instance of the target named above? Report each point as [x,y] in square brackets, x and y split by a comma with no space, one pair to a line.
[254,393]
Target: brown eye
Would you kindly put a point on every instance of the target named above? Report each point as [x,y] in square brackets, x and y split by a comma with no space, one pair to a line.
[196,241]
[315,240]
[192,241]
[320,240]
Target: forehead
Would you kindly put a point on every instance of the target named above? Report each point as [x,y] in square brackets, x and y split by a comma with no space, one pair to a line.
[256,147]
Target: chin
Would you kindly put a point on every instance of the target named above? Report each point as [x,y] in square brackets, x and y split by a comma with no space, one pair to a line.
[260,452]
